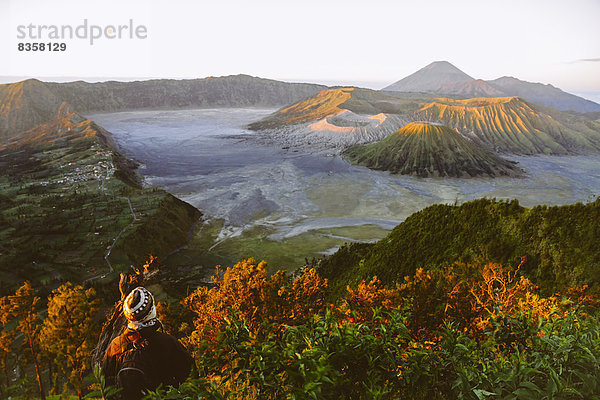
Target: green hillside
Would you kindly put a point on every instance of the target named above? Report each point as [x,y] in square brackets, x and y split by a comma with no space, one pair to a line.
[560,243]
[64,198]
[425,149]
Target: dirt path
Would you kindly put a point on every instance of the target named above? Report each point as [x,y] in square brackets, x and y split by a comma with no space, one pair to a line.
[110,268]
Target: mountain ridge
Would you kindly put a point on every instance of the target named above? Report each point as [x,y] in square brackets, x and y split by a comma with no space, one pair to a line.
[225,91]
[437,81]
[511,125]
[503,124]
[26,104]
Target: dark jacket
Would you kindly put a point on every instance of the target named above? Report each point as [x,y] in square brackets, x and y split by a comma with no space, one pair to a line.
[166,361]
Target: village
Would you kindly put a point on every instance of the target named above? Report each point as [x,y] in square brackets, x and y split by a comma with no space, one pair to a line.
[100,170]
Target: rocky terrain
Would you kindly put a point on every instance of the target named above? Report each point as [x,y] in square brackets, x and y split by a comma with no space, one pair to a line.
[336,119]
[427,149]
[511,125]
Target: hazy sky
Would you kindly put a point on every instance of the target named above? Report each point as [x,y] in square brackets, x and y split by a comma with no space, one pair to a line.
[369,43]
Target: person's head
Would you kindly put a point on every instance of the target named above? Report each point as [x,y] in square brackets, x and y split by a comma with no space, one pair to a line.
[139,308]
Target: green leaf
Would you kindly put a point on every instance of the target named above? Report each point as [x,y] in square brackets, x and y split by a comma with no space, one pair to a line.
[482,394]
[531,386]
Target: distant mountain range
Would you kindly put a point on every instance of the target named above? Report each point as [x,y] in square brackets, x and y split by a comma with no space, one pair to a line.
[26,104]
[442,79]
[53,158]
[225,91]
[502,124]
[316,118]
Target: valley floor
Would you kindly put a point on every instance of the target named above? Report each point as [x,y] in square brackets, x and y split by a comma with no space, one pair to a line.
[283,205]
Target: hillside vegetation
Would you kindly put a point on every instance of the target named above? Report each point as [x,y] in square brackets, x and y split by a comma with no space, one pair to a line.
[560,243]
[465,331]
[65,194]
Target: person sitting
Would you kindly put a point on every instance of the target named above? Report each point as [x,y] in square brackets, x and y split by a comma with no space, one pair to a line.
[143,357]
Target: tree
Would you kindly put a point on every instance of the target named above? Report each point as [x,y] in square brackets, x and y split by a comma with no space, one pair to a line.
[23,307]
[6,339]
[70,331]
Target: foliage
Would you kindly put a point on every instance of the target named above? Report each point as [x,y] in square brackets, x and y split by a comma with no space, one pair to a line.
[461,331]
[560,244]
[466,331]
[70,331]
[100,390]
[246,290]
[22,307]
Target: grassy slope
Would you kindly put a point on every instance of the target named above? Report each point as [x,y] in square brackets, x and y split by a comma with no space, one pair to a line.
[559,242]
[429,150]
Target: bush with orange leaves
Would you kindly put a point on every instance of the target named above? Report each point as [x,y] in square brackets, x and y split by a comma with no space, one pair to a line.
[471,295]
[360,304]
[583,299]
[246,291]
[501,292]
[435,296]
[430,296]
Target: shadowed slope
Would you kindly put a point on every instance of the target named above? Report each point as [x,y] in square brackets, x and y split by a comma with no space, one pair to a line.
[67,125]
[474,88]
[24,105]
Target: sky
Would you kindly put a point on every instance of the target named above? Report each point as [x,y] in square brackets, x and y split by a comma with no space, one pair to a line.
[365,43]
